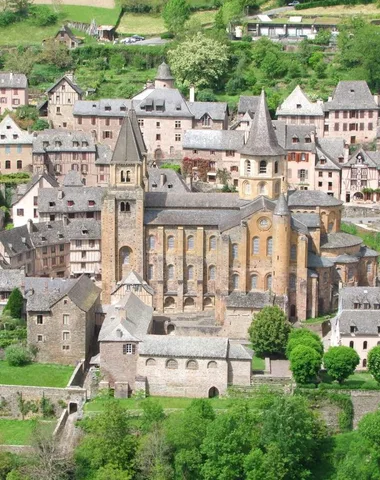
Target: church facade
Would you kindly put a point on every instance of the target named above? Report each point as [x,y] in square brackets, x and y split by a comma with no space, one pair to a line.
[229,253]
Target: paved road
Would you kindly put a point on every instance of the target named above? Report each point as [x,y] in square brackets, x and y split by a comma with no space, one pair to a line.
[150,41]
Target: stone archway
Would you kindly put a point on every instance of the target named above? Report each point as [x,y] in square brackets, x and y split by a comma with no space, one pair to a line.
[73,407]
[189,304]
[158,155]
[213,392]
[358,196]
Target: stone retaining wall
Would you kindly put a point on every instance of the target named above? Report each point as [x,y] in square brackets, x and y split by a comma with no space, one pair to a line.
[360,211]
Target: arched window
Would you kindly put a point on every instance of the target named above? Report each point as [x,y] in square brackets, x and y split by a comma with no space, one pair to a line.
[269,282]
[369,267]
[254,279]
[169,302]
[150,272]
[263,166]
[364,362]
[247,188]
[248,167]
[171,363]
[190,242]
[151,362]
[211,272]
[351,344]
[262,188]
[235,281]
[269,246]
[330,226]
[365,344]
[293,252]
[212,243]
[128,176]
[125,255]
[276,167]
[292,281]
[235,250]
[190,272]
[255,245]
[192,365]
[125,207]
[151,242]
[122,177]
[170,272]
[170,242]
[212,364]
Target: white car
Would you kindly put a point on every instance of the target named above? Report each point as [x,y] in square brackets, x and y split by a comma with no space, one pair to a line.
[128,40]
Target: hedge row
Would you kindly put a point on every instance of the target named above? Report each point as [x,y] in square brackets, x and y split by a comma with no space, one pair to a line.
[331,3]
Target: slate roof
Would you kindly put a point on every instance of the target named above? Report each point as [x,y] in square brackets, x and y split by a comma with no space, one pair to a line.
[13,80]
[363,157]
[333,147]
[194,200]
[366,322]
[43,293]
[163,72]
[16,241]
[281,206]
[345,258]
[262,140]
[218,140]
[311,198]
[251,300]
[339,240]
[351,95]
[10,279]
[286,133]
[34,180]
[56,140]
[248,104]
[216,110]
[129,319]
[133,278]
[130,147]
[104,155]
[173,182]
[328,162]
[185,347]
[49,201]
[106,107]
[297,103]
[11,133]
[311,220]
[238,351]
[350,295]
[67,79]
[315,261]
[163,102]
[368,252]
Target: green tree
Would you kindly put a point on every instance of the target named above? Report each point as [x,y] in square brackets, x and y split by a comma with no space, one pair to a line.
[20,61]
[108,441]
[7,463]
[56,53]
[269,331]
[341,362]
[199,61]
[15,304]
[17,355]
[303,336]
[175,14]
[305,363]
[117,62]
[110,472]
[373,364]
[153,415]
[154,456]
[20,7]
[369,428]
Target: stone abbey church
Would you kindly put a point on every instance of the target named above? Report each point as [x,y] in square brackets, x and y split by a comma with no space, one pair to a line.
[223,252]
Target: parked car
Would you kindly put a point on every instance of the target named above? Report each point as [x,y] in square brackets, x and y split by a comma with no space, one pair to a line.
[293,4]
[128,40]
[138,37]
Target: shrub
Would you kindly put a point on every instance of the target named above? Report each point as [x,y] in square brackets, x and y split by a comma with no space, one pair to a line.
[40,124]
[167,35]
[15,304]
[43,16]
[305,363]
[373,364]
[7,18]
[206,95]
[46,407]
[171,166]
[235,85]
[340,362]
[246,38]
[304,340]
[17,356]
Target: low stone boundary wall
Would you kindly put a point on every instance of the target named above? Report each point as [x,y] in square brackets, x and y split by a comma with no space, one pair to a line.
[78,376]
[372,210]
[61,423]
[9,394]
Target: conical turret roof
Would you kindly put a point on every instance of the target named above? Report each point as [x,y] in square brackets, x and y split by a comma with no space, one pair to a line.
[130,146]
[164,73]
[281,207]
[262,140]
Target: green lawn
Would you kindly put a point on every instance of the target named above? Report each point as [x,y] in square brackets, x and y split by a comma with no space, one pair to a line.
[363,381]
[19,432]
[147,24]
[77,13]
[318,320]
[258,363]
[35,374]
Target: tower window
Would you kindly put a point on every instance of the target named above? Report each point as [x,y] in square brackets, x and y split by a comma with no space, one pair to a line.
[269,246]
[275,167]
[211,272]
[212,243]
[190,272]
[170,242]
[170,272]
[235,251]
[263,166]
[293,252]
[151,242]
[247,167]
[255,245]
[190,242]
[235,281]
[269,282]
[254,279]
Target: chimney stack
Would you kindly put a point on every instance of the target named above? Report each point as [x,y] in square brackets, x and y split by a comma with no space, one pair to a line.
[65,220]
[192,94]
[162,179]
[29,226]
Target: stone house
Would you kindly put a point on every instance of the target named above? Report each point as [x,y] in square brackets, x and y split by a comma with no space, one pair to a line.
[61,99]
[72,200]
[66,37]
[297,109]
[357,324]
[352,113]
[61,318]
[25,201]
[196,250]
[359,173]
[13,91]
[331,153]
[131,358]
[61,248]
[15,147]
[59,152]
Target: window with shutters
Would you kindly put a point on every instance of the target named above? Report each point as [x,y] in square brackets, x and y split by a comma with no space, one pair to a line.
[255,245]
[302,174]
[129,349]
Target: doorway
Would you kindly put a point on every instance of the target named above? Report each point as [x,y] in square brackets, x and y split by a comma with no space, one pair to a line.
[213,392]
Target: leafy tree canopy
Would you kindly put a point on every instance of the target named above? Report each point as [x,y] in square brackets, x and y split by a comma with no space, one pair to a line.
[305,363]
[175,14]
[15,304]
[373,364]
[341,362]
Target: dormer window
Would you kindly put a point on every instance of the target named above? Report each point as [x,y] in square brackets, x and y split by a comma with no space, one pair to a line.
[49,226]
[8,127]
[376,306]
[91,203]
[295,139]
[84,144]
[107,108]
[43,239]
[15,136]
[352,90]
[58,143]
[170,185]
[75,144]
[51,204]
[123,108]
[70,203]
[60,235]
[299,105]
[85,232]
[45,144]
[307,139]
[154,185]
[341,159]
[178,106]
[357,305]
[353,329]
[366,306]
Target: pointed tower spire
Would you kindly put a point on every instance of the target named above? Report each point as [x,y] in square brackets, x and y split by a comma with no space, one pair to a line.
[130,147]
[281,208]
[262,140]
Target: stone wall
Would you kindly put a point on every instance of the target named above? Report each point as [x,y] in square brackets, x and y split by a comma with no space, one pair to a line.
[9,393]
[360,211]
